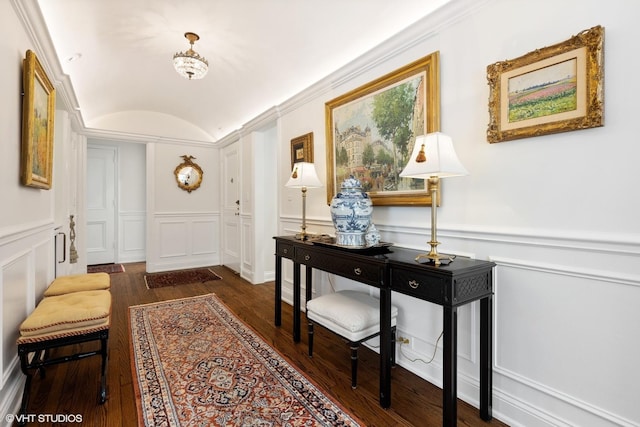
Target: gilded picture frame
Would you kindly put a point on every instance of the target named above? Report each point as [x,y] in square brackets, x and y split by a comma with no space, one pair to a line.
[302,149]
[558,88]
[38,110]
[370,132]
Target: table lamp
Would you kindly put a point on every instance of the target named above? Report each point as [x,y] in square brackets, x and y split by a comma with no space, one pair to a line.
[303,176]
[433,157]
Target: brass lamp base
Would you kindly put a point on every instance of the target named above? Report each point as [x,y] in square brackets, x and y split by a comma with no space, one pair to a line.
[304,236]
[437,259]
[433,255]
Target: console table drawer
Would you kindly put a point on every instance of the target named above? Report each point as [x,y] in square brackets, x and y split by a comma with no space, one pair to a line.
[284,250]
[363,272]
[425,287]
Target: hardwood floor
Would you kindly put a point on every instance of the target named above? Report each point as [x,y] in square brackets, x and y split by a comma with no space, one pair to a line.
[72,388]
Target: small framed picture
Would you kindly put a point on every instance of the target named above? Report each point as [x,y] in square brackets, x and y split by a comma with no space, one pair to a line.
[302,149]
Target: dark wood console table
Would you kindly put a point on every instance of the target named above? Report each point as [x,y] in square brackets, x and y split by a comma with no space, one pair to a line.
[450,286]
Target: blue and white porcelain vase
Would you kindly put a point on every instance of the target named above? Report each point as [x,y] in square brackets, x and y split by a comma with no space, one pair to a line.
[351,210]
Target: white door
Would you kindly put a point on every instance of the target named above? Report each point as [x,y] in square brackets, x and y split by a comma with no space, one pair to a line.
[101,205]
[231,207]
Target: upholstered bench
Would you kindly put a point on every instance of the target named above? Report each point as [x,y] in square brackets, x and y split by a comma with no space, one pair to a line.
[353,315]
[60,321]
[77,283]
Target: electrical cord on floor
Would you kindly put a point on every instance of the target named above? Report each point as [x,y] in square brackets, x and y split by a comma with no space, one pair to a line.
[435,349]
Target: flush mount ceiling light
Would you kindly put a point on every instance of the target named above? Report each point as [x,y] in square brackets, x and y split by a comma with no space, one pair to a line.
[190,64]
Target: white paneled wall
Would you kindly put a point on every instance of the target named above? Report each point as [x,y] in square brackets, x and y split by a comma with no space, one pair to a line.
[185,240]
[131,229]
[26,267]
[561,353]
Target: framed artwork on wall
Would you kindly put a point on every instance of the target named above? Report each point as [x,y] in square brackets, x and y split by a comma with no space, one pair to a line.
[302,149]
[371,129]
[555,89]
[38,109]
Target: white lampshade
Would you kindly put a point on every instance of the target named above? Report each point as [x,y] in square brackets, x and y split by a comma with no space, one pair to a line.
[439,158]
[304,176]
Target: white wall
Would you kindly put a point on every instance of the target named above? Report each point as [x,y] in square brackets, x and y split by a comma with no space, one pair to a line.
[558,214]
[26,217]
[258,206]
[184,228]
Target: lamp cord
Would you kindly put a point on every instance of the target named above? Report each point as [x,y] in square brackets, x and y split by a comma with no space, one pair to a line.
[435,349]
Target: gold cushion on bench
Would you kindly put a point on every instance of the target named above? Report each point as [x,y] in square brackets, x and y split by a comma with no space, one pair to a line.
[77,283]
[76,311]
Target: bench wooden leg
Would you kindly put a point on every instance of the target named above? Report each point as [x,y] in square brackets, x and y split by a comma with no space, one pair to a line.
[103,378]
[41,359]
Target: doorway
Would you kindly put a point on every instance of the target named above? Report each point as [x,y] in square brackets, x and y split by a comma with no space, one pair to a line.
[231,237]
[101,209]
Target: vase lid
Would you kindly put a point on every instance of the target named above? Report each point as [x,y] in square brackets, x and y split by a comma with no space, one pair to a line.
[351,182]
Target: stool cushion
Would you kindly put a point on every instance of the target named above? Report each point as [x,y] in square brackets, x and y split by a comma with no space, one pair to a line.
[66,333]
[352,314]
[68,312]
[77,283]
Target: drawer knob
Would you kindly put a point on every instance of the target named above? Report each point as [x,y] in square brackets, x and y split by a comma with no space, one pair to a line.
[307,257]
[357,271]
[413,284]
[285,250]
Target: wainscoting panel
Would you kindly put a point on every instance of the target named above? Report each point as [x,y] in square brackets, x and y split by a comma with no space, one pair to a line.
[247,269]
[97,234]
[206,246]
[26,268]
[565,323]
[184,240]
[552,322]
[174,238]
[131,228]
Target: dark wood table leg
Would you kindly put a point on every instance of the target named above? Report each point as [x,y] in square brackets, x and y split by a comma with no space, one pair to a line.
[385,347]
[486,358]
[278,296]
[296,302]
[308,285]
[450,367]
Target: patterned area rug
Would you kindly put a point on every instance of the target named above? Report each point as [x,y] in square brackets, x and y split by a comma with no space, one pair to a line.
[197,364]
[179,277]
[105,268]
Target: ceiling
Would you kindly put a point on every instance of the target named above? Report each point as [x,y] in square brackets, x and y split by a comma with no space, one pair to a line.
[118,53]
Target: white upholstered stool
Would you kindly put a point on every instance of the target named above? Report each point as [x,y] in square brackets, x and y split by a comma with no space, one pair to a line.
[352,315]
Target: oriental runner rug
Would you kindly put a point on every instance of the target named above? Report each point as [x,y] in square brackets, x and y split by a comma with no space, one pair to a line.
[105,268]
[198,364]
[179,277]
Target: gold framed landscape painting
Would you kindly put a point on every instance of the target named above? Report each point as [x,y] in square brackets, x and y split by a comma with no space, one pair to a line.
[558,88]
[38,109]
[371,130]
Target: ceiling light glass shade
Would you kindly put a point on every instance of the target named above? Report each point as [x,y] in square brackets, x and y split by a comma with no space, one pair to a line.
[304,176]
[190,64]
[433,155]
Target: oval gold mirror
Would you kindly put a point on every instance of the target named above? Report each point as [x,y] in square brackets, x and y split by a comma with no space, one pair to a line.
[188,174]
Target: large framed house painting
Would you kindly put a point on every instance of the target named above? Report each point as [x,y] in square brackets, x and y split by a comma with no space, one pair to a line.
[371,130]
[38,109]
